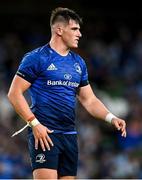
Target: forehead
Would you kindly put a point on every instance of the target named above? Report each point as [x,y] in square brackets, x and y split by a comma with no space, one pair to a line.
[73,23]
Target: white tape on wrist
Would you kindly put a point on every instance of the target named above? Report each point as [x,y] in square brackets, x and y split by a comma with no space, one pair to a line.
[34,122]
[109,117]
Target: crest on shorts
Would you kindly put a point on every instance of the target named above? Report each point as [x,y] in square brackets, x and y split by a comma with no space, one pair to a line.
[40,158]
[77,68]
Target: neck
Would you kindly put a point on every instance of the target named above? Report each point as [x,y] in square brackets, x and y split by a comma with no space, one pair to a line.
[59,46]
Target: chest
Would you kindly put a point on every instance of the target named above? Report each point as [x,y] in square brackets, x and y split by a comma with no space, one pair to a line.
[62,71]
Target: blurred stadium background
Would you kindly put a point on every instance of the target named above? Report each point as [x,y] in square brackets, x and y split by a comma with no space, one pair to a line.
[112,47]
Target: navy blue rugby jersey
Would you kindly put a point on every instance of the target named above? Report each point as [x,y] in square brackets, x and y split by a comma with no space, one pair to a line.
[54,82]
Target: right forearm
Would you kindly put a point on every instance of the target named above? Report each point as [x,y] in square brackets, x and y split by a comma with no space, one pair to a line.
[21,106]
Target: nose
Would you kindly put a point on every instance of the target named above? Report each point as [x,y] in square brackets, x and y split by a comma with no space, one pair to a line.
[79,34]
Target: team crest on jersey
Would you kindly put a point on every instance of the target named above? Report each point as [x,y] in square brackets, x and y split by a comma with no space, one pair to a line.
[40,158]
[77,68]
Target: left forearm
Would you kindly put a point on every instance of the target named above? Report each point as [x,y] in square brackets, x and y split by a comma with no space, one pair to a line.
[96,108]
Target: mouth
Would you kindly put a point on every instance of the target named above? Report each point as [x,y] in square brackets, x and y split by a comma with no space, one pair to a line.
[77,40]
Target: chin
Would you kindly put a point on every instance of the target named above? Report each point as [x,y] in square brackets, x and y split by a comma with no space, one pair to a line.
[75,46]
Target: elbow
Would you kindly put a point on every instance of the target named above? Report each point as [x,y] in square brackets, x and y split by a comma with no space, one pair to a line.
[11,96]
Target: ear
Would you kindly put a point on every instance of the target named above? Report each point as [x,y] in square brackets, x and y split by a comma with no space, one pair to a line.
[59,30]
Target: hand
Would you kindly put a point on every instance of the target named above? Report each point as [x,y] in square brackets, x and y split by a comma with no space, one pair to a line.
[120,125]
[41,136]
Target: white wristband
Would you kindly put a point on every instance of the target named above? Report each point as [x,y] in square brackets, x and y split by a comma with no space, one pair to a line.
[109,117]
[34,122]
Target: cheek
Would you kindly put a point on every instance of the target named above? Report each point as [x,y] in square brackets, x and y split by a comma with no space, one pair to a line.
[68,38]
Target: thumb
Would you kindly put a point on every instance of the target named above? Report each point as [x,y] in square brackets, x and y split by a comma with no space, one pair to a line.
[49,131]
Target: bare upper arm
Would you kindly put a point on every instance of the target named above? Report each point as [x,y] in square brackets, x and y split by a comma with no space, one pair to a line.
[19,85]
[86,94]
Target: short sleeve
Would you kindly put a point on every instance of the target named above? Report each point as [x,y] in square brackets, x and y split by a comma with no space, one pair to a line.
[84,77]
[29,68]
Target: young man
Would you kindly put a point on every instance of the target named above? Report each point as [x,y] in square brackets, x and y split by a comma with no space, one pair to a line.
[56,76]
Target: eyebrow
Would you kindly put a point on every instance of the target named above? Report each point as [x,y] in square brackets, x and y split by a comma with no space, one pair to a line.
[75,28]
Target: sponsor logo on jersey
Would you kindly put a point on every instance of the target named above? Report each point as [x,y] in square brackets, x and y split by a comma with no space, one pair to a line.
[40,158]
[67,76]
[77,68]
[51,67]
[62,83]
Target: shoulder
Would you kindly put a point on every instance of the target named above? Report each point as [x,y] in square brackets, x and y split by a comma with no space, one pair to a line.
[78,59]
[40,51]
[36,55]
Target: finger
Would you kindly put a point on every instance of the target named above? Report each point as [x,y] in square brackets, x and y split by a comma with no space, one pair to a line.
[50,141]
[123,126]
[46,144]
[117,126]
[50,131]
[42,144]
[123,129]
[36,144]
[123,134]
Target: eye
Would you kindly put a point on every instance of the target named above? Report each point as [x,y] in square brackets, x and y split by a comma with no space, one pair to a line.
[75,28]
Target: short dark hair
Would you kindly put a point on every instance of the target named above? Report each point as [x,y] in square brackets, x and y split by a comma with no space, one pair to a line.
[64,15]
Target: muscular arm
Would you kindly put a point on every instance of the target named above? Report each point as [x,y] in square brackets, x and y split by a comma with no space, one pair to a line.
[91,103]
[97,109]
[17,99]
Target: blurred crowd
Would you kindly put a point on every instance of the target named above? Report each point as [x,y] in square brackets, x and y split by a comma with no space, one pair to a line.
[113,55]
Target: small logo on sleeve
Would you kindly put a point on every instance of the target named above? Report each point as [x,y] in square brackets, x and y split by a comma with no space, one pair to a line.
[20,74]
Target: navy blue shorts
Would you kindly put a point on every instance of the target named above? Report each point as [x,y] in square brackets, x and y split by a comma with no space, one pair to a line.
[63,156]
